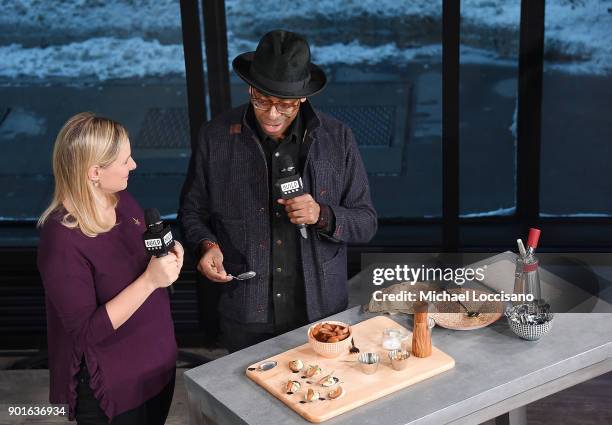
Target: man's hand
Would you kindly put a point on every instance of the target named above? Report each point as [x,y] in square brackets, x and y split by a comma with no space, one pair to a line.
[301,209]
[211,265]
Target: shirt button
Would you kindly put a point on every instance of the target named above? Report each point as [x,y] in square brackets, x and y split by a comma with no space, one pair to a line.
[262,210]
[278,295]
[277,154]
[277,214]
[278,270]
[279,242]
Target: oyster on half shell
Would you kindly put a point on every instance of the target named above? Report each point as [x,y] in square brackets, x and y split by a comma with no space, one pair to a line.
[336,392]
[292,386]
[311,395]
[328,381]
[312,371]
[296,365]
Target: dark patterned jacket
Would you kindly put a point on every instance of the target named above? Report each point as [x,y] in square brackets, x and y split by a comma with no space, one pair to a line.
[226,200]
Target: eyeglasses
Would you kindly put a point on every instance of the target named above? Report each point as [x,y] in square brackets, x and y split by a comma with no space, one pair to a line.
[284,108]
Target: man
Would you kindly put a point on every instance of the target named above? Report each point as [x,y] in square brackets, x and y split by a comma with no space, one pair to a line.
[232,214]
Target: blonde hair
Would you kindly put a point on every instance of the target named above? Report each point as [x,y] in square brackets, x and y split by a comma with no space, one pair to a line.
[85,140]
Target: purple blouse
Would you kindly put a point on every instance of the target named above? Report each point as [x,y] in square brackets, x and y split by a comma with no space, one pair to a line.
[80,274]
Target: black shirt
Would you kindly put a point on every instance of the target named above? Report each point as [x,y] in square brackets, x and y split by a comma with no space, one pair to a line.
[288,299]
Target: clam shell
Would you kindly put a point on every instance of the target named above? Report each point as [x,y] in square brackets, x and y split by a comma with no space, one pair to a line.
[296,365]
[292,386]
[328,381]
[336,393]
[312,395]
[312,371]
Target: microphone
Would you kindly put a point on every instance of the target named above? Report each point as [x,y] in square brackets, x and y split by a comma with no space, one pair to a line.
[158,240]
[290,186]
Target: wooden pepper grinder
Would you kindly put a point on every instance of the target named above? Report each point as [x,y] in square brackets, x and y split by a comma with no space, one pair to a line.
[421,335]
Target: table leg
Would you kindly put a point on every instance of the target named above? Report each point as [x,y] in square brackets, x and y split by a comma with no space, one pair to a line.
[195,415]
[517,416]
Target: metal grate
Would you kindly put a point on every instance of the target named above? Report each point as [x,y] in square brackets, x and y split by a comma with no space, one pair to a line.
[168,128]
[373,125]
[164,128]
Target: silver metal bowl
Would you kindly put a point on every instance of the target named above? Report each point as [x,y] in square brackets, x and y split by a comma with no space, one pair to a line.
[530,332]
[399,359]
[369,362]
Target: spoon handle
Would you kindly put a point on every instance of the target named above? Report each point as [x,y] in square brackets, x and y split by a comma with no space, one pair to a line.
[467,310]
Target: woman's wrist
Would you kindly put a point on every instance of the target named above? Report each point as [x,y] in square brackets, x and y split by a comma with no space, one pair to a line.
[146,280]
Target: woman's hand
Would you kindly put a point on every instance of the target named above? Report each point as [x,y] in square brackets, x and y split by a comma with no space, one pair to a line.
[160,273]
[163,271]
[178,250]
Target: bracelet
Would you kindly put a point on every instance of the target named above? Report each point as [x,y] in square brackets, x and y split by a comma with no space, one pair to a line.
[209,244]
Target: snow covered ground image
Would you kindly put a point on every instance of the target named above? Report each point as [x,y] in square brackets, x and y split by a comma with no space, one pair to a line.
[86,38]
[124,57]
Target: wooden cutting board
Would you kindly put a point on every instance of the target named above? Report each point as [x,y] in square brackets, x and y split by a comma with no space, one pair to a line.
[359,387]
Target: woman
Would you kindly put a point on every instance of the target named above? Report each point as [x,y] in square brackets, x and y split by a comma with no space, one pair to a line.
[112,349]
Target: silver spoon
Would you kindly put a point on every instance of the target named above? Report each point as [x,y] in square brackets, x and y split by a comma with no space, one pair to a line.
[265,366]
[244,276]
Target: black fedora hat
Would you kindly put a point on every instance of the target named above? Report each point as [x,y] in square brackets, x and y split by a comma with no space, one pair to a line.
[281,67]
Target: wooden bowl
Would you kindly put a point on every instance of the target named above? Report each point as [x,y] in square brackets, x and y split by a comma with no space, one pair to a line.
[330,349]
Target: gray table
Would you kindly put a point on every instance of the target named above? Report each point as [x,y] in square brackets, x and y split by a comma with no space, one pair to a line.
[495,376]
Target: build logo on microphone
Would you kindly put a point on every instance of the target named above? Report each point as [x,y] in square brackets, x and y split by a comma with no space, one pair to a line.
[289,187]
[155,243]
